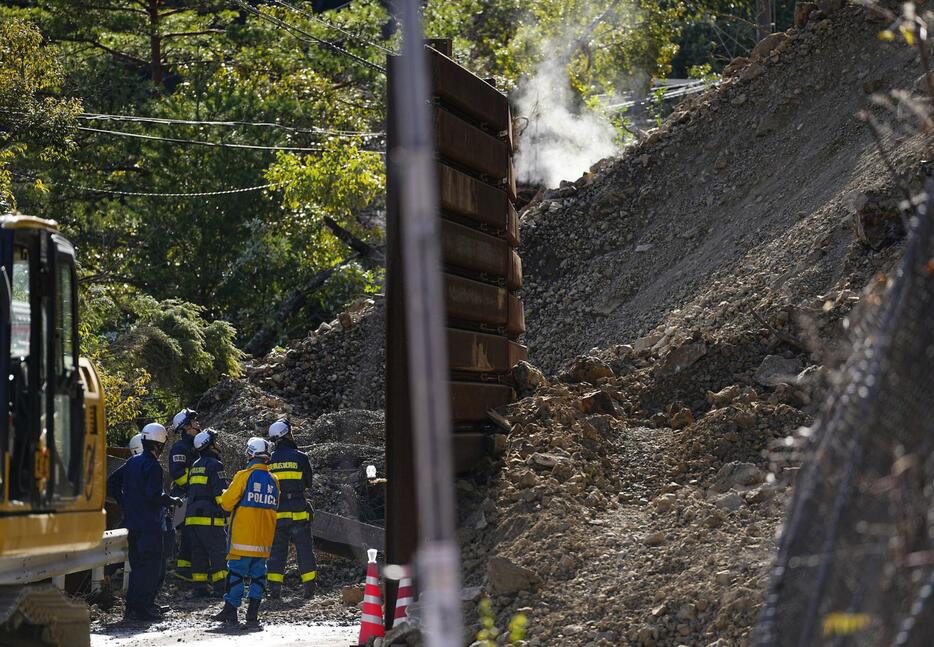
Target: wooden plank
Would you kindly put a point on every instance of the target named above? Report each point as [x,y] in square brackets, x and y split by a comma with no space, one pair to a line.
[469,94]
[471,400]
[511,180]
[517,353]
[469,146]
[401,495]
[474,352]
[346,537]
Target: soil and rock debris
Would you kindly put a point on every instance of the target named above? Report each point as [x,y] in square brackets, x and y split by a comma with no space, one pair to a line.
[687,303]
[743,200]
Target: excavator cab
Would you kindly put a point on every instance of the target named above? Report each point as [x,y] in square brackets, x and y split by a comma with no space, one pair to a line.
[52,436]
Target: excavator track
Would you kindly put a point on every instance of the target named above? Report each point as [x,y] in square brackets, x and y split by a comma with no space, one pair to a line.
[35,615]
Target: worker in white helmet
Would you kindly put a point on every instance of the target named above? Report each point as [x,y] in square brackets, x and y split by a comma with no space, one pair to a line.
[252,500]
[137,487]
[181,457]
[205,520]
[293,521]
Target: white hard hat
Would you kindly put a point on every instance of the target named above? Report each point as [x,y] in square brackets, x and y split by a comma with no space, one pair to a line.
[155,432]
[205,438]
[184,417]
[258,447]
[136,445]
[279,428]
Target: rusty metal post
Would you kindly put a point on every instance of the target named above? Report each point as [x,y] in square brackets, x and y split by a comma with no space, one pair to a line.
[763,19]
[412,159]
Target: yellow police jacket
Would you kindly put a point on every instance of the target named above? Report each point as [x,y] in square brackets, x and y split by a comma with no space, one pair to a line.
[252,499]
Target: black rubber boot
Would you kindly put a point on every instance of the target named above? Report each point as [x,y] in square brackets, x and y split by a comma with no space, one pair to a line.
[310,589]
[252,613]
[227,615]
[202,591]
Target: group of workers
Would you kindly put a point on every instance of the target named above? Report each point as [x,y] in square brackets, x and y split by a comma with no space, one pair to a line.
[226,534]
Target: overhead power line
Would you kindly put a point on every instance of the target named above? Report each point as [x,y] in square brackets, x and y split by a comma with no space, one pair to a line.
[89,116]
[157,194]
[330,25]
[309,38]
[198,142]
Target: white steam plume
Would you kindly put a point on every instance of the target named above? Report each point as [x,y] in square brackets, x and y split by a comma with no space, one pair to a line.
[559,142]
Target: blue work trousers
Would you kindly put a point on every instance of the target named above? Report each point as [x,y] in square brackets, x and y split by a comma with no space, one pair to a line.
[238,570]
[147,568]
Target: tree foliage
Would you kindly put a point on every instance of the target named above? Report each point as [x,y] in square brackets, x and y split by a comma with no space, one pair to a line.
[155,357]
[179,263]
[31,121]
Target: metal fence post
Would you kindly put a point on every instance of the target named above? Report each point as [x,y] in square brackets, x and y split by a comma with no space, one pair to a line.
[97,577]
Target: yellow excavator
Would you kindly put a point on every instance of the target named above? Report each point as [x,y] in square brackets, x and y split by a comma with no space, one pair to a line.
[52,436]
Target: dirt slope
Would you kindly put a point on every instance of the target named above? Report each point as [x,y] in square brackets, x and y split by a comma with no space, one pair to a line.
[706,277]
[745,198]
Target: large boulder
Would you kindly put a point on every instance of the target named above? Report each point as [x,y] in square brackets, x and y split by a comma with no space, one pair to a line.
[505,577]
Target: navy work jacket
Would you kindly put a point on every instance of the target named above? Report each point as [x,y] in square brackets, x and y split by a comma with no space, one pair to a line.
[293,469]
[137,487]
[181,457]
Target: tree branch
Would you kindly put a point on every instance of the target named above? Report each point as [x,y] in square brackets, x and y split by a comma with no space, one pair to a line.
[114,8]
[363,249]
[109,50]
[202,32]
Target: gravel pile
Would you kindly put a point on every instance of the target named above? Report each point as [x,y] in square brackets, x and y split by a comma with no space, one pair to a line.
[744,201]
[330,385]
[688,304]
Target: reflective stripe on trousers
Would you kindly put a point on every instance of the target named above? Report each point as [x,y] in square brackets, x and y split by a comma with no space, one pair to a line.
[206,521]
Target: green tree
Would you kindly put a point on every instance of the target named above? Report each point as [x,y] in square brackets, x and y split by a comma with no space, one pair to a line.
[31,122]
[154,357]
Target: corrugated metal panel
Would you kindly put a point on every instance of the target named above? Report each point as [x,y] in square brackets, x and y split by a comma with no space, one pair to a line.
[468,93]
[472,301]
[469,146]
[480,253]
[470,401]
[473,352]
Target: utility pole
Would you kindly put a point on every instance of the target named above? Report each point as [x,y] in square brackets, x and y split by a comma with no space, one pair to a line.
[412,158]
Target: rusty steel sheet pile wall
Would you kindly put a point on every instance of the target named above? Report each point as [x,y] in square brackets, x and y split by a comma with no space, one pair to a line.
[482,280]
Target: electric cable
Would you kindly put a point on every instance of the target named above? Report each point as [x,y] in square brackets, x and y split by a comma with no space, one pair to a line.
[157,194]
[331,25]
[281,24]
[91,116]
[198,142]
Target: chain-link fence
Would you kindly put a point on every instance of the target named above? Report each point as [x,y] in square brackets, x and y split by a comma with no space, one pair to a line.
[856,560]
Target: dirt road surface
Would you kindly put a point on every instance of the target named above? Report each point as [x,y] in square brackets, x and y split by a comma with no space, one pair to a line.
[280,635]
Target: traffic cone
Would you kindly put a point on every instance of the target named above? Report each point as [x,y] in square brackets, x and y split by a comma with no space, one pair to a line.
[403,599]
[371,623]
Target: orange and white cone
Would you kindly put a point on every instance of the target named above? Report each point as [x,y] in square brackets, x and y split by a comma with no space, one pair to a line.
[403,599]
[371,623]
